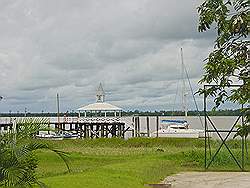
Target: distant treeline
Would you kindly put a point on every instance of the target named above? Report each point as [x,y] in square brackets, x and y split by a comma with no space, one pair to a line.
[131,113]
[179,113]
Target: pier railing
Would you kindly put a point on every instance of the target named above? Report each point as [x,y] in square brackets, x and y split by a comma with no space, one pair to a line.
[110,119]
[93,119]
[100,119]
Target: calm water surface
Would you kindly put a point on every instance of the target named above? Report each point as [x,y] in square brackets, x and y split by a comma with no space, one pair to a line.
[221,122]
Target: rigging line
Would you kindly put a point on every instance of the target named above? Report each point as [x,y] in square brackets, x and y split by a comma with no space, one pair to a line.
[196,105]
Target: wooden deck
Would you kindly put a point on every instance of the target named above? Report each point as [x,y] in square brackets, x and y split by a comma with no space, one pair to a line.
[86,128]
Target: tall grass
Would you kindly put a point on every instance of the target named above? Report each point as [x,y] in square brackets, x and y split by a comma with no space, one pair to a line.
[134,162]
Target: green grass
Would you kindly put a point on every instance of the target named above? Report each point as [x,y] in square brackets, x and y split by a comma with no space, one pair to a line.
[127,163]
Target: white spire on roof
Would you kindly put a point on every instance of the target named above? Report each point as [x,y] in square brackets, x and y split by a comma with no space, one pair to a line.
[100,94]
[100,104]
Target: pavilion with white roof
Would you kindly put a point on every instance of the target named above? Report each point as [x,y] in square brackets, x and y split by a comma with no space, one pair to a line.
[101,119]
[100,106]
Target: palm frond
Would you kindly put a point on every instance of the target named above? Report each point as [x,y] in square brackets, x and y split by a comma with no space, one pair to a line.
[64,156]
[17,159]
[28,127]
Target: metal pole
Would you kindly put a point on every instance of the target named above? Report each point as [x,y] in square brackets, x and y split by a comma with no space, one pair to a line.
[14,131]
[133,123]
[148,126]
[205,115]
[243,144]
[138,124]
[242,152]
[25,112]
[157,126]
[58,110]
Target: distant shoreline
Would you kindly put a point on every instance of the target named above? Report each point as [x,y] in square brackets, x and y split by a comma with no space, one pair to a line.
[226,112]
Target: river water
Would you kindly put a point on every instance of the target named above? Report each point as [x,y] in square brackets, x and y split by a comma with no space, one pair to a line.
[221,122]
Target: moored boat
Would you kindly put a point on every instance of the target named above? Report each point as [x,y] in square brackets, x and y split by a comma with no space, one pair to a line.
[177,129]
[69,135]
[180,128]
[49,136]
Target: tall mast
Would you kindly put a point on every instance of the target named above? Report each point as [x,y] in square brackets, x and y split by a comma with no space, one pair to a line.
[58,109]
[184,94]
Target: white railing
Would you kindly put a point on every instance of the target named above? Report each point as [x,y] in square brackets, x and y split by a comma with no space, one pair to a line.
[99,119]
[4,120]
[112,119]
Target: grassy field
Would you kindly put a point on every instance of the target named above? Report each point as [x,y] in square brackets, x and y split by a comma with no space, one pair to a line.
[127,163]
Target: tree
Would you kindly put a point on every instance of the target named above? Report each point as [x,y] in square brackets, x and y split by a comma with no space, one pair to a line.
[17,159]
[243,131]
[229,61]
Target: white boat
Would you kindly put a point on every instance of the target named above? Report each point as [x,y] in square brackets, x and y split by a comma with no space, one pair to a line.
[177,129]
[180,128]
[49,136]
[69,135]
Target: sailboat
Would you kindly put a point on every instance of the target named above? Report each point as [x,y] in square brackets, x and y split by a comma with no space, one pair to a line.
[179,128]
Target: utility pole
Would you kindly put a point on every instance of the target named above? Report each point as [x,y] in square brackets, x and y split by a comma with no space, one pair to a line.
[58,110]
[25,112]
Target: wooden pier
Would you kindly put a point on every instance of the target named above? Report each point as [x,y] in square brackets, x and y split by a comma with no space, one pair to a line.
[84,127]
[96,127]
[5,126]
[93,129]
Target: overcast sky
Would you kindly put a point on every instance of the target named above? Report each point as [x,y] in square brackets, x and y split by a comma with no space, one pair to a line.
[69,46]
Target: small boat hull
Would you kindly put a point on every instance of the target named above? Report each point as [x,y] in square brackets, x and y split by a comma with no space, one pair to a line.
[175,134]
[177,129]
[69,135]
[73,137]
[49,137]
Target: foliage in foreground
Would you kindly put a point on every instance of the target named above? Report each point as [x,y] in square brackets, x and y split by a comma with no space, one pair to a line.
[17,159]
[229,61]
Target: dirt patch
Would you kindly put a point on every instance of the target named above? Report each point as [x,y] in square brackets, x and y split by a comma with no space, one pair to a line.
[209,180]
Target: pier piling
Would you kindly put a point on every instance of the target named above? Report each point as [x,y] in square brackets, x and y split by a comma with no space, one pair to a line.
[157,126]
[148,130]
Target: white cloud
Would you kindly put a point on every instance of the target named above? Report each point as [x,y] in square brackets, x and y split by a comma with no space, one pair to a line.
[133,47]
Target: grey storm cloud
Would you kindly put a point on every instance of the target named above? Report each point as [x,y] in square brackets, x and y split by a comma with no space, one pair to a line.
[68,47]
